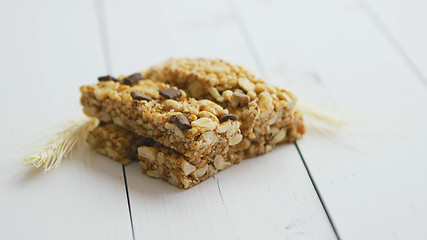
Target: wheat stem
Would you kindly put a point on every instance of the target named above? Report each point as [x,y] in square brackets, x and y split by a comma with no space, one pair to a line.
[58,144]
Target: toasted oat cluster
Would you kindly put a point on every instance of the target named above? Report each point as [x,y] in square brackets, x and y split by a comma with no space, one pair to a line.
[265,112]
[187,118]
[191,127]
[119,144]
[156,160]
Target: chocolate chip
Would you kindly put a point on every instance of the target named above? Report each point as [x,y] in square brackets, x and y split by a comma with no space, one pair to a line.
[132,79]
[171,119]
[143,141]
[170,93]
[226,117]
[140,96]
[107,78]
[182,122]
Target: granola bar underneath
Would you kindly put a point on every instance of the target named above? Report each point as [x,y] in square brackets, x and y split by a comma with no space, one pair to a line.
[156,160]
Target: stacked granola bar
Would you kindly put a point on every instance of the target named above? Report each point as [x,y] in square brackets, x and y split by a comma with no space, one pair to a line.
[186,119]
[267,113]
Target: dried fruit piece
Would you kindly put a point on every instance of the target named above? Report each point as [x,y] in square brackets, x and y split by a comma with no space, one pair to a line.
[240,99]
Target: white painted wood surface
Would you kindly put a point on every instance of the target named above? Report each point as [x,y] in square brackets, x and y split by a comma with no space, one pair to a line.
[404,22]
[372,177]
[47,50]
[269,196]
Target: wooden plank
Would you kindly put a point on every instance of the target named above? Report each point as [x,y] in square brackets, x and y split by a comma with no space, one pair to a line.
[48,49]
[269,196]
[404,24]
[373,176]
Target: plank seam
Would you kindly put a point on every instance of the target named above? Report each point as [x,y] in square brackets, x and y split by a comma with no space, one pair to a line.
[260,66]
[128,200]
[317,192]
[225,207]
[220,194]
[100,17]
[382,27]
[245,33]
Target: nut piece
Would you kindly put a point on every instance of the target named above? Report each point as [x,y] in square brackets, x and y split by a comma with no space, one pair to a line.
[209,138]
[201,171]
[283,96]
[227,94]
[279,136]
[187,167]
[274,118]
[105,117]
[214,93]
[207,115]
[173,128]
[100,94]
[204,123]
[154,173]
[173,179]
[91,111]
[118,121]
[220,162]
[186,182]
[268,148]
[212,169]
[239,99]
[224,127]
[235,139]
[265,101]
[172,104]
[148,153]
[246,84]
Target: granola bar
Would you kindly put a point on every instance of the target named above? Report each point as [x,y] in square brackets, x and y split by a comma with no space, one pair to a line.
[268,114]
[156,160]
[116,142]
[155,110]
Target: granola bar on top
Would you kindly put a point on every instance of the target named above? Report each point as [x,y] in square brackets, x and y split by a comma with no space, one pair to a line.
[156,160]
[267,114]
[194,128]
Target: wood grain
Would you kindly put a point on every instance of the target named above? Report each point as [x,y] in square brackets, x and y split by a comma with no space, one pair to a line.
[48,49]
[372,176]
[363,59]
[269,196]
[403,23]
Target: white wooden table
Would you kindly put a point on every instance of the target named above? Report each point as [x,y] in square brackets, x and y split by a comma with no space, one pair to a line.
[367,58]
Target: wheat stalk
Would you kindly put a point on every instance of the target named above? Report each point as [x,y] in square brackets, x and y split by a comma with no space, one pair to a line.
[57,144]
[320,120]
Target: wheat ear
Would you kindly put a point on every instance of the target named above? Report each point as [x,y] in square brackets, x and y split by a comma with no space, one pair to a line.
[322,121]
[58,144]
